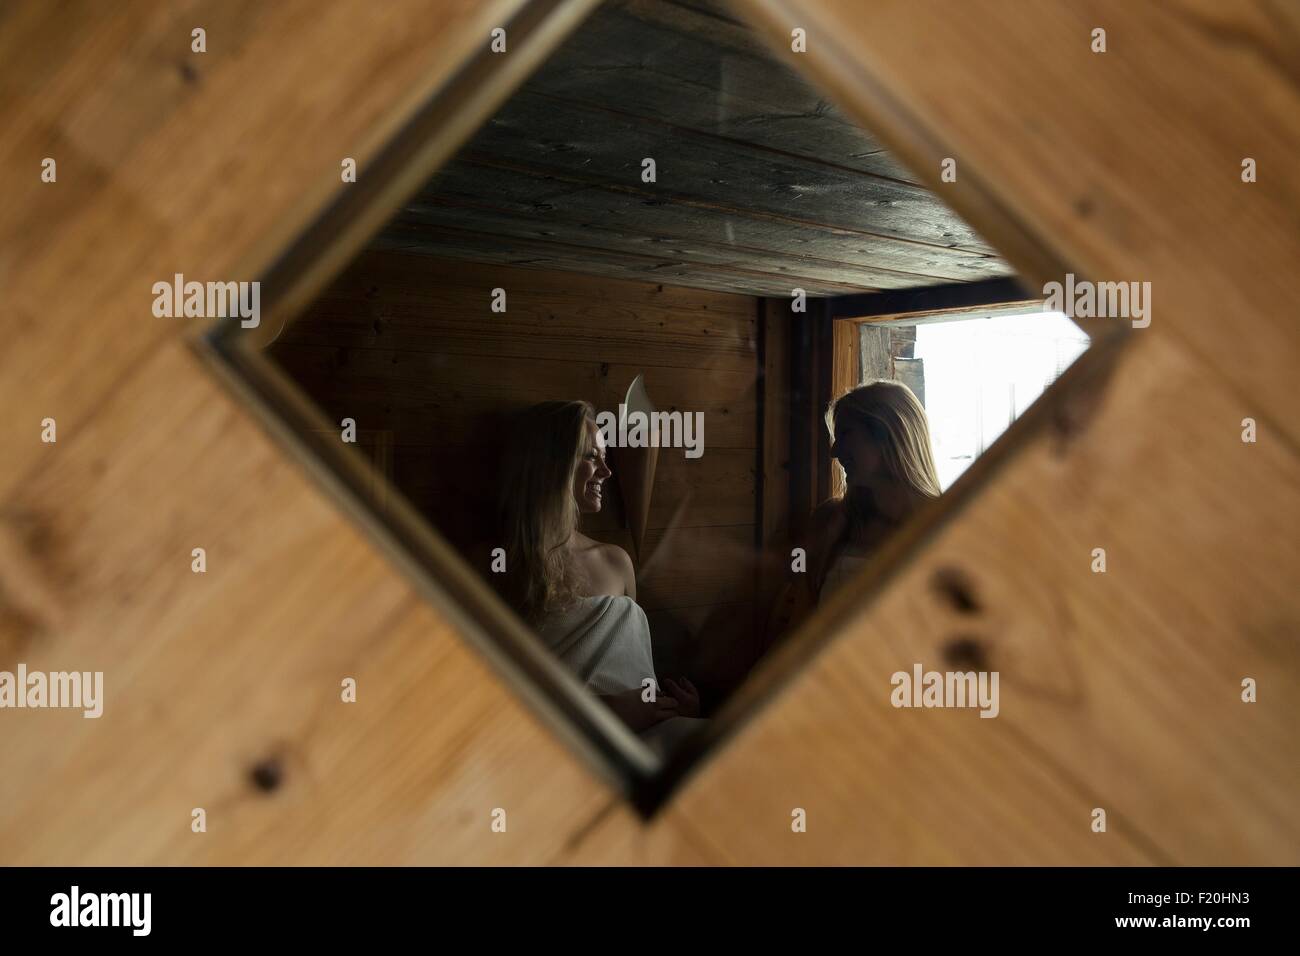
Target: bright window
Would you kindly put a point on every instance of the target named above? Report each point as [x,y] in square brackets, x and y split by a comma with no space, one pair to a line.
[980,374]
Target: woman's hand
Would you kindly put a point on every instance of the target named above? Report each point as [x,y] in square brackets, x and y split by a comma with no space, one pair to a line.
[640,714]
[687,697]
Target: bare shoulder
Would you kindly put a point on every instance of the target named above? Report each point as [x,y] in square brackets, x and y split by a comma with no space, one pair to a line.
[604,551]
[608,564]
[615,557]
[620,563]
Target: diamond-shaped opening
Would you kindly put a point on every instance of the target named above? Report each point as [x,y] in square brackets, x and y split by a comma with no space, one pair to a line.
[664,220]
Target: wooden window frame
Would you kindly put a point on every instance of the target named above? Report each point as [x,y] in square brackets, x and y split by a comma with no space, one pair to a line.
[303,267]
[908,307]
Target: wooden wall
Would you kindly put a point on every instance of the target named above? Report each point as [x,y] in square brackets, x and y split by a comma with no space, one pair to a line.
[408,346]
[1128,683]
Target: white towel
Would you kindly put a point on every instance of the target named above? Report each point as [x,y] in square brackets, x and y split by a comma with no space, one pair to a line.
[605,640]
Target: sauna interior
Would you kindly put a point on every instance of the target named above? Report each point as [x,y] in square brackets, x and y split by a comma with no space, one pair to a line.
[748,279]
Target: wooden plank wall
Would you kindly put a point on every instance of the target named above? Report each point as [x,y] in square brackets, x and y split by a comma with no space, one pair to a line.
[409,347]
[1122,689]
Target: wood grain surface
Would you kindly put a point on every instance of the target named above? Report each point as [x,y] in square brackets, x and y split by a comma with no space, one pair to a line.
[1121,691]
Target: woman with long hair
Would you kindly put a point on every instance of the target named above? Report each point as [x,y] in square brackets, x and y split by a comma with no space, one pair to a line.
[578,593]
[880,439]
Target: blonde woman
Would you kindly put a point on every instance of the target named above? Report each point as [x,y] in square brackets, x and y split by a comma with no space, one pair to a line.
[578,593]
[880,438]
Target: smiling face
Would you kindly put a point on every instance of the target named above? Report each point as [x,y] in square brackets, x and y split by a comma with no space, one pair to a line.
[591,471]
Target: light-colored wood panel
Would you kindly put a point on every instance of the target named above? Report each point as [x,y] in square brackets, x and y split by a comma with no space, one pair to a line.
[1118,690]
[618,835]
[150,183]
[1148,723]
[208,675]
[451,745]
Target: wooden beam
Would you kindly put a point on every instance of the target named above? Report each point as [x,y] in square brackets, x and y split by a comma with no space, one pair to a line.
[599,220]
[939,298]
[648,264]
[631,211]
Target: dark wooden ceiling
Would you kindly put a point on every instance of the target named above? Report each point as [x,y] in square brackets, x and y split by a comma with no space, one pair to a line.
[762,185]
